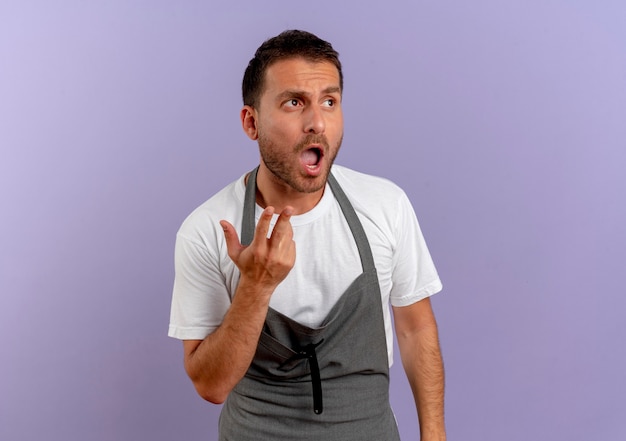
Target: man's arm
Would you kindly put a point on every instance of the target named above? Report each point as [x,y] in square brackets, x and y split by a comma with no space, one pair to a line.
[217,363]
[416,330]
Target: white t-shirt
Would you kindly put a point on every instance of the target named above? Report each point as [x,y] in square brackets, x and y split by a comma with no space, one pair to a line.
[327,260]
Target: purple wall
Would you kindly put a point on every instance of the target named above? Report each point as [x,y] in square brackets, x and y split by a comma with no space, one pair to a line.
[503,120]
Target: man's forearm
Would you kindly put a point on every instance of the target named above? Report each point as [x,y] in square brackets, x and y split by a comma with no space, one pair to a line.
[218,363]
[424,368]
[418,340]
[428,385]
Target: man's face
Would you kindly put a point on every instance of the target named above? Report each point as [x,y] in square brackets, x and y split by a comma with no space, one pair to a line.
[299,122]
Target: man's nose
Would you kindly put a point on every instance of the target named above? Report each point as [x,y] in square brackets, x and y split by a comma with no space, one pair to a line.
[314,120]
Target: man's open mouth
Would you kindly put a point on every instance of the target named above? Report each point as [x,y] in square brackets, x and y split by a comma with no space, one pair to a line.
[311,157]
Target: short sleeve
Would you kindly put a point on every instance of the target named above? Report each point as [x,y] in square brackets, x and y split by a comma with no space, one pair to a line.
[414,274]
[200,297]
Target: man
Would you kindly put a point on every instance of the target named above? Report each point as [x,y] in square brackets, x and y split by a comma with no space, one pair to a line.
[284,278]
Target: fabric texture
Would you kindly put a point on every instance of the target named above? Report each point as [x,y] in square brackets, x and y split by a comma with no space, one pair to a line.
[327,260]
[329,382]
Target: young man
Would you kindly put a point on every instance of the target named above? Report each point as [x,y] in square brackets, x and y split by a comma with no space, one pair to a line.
[284,278]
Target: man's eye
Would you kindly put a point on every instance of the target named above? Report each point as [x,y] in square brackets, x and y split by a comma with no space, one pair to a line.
[329,102]
[293,103]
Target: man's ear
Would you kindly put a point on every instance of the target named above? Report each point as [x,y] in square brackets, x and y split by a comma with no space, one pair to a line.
[249,122]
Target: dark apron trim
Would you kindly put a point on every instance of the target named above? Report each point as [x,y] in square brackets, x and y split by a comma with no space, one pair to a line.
[308,352]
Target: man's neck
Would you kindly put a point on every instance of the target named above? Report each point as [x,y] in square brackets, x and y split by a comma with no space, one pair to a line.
[270,191]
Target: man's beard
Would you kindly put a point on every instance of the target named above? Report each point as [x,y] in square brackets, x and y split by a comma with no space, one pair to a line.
[280,163]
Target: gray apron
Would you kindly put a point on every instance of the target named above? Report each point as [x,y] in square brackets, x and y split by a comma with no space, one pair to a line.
[327,383]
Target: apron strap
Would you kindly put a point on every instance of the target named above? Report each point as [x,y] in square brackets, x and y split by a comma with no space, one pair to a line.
[363,245]
[248,221]
[249,203]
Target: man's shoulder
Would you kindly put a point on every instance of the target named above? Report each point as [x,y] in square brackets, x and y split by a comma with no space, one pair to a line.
[381,204]
[363,185]
[225,204]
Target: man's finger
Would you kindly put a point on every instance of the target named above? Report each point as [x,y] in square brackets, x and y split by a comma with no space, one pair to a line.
[263,226]
[283,229]
[232,240]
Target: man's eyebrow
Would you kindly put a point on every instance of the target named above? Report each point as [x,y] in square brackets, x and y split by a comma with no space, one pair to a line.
[295,93]
[332,89]
[290,93]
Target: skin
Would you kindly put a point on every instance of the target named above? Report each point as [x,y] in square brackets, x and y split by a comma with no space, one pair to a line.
[299,109]
[418,341]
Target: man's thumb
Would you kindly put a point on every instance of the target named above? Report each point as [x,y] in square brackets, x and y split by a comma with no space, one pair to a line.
[232,240]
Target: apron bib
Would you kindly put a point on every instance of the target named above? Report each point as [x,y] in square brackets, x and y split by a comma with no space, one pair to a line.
[326,383]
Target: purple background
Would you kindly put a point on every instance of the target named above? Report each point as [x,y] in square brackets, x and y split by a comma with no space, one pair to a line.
[505,122]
